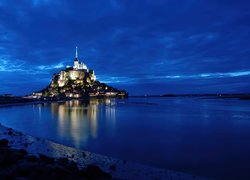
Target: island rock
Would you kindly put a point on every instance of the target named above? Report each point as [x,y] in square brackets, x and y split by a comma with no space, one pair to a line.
[78,81]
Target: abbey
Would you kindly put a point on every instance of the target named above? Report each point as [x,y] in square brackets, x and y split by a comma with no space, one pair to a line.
[77,81]
[78,72]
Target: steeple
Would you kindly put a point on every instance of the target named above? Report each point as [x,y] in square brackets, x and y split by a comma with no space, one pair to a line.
[76,53]
[77,64]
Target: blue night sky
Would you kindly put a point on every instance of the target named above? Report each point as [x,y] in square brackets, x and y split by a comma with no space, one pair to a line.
[144,47]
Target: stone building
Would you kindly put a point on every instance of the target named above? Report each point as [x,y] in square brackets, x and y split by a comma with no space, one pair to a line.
[78,72]
[78,81]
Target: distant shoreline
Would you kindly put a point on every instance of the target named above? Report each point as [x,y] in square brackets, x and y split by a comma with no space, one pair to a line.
[241,96]
[22,100]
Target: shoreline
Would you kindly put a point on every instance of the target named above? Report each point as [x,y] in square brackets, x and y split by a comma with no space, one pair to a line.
[16,100]
[38,101]
[120,169]
[23,101]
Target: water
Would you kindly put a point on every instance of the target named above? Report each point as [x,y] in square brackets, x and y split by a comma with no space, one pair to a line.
[207,137]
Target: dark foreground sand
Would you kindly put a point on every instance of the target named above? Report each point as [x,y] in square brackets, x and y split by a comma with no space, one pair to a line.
[16,164]
[26,157]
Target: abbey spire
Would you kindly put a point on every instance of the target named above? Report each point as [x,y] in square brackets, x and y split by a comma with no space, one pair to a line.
[76,53]
[77,64]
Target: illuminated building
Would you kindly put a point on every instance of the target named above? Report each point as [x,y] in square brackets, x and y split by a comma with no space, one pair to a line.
[79,71]
[78,81]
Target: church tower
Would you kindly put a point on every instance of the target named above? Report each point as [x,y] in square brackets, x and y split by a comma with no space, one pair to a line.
[79,65]
[76,61]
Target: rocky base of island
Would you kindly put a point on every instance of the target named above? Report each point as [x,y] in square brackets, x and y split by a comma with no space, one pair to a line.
[26,157]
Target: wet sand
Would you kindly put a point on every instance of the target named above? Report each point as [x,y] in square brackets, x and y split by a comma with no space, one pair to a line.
[34,158]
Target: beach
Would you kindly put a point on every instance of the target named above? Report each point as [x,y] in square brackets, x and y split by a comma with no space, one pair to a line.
[33,153]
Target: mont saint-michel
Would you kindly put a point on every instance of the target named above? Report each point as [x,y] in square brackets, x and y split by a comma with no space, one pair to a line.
[78,81]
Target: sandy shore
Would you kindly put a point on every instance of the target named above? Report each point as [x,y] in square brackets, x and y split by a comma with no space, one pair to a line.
[102,166]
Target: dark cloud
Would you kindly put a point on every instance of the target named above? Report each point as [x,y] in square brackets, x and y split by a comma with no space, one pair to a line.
[134,45]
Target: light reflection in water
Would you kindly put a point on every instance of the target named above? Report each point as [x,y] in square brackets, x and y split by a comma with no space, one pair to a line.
[79,118]
[110,113]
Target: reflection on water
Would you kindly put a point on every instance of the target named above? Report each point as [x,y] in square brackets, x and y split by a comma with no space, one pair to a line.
[208,137]
[79,118]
